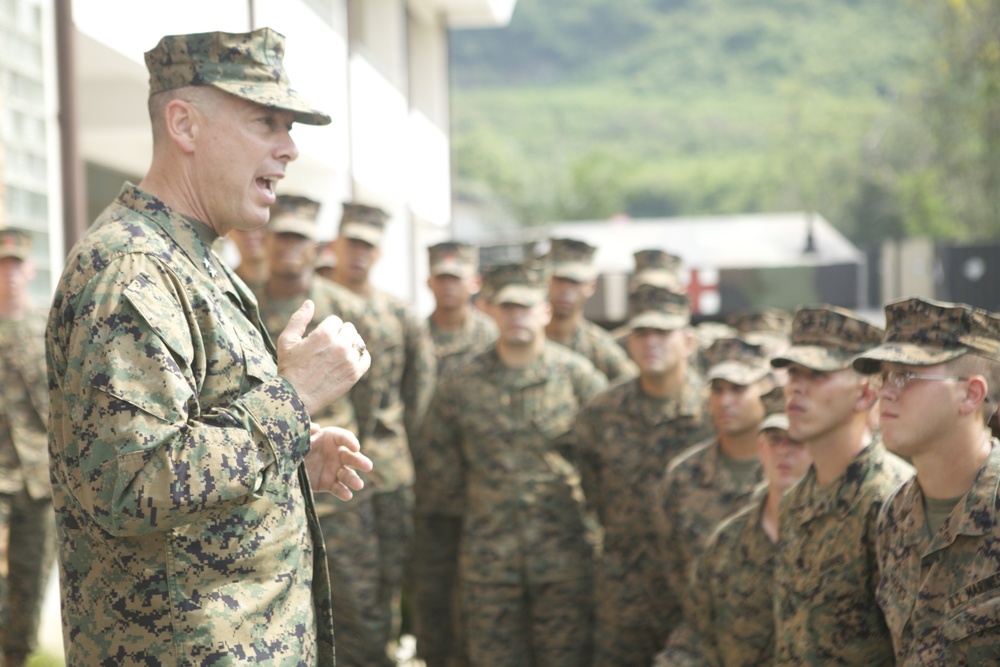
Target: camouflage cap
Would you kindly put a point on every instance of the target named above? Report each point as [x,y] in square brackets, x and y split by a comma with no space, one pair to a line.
[826,338]
[655,307]
[514,283]
[452,258]
[774,410]
[768,321]
[925,333]
[656,267]
[15,242]
[737,361]
[571,259]
[247,65]
[363,222]
[293,214]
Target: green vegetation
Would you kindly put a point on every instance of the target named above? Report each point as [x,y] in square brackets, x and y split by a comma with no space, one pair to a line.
[584,109]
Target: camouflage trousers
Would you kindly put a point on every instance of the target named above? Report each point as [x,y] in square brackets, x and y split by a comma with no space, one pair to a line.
[30,552]
[367,545]
[434,581]
[541,625]
[630,625]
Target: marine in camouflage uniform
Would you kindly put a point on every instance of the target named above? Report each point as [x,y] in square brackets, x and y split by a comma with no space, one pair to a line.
[459,331]
[714,478]
[938,537]
[825,577]
[626,436]
[499,450]
[573,279]
[390,403]
[187,534]
[27,523]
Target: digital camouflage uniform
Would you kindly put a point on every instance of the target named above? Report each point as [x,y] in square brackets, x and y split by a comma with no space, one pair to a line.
[824,604]
[390,402]
[572,260]
[626,438]
[499,449]
[435,541]
[27,523]
[728,622]
[940,593]
[185,520]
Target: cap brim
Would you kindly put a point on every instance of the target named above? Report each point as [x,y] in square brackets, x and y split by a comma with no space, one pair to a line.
[777,420]
[658,320]
[578,273]
[361,232]
[903,353]
[274,96]
[292,226]
[519,295]
[448,268]
[737,373]
[814,357]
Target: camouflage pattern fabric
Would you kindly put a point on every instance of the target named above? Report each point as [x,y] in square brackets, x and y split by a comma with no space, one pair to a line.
[600,347]
[940,594]
[728,621]
[186,530]
[26,517]
[498,449]
[625,439]
[825,576]
[697,492]
[452,349]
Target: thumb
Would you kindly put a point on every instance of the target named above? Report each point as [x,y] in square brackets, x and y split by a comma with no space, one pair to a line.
[298,322]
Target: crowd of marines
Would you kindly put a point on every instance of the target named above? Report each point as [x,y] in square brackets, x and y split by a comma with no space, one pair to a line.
[803,488]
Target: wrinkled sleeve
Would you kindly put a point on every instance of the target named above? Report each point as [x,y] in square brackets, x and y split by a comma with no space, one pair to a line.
[138,447]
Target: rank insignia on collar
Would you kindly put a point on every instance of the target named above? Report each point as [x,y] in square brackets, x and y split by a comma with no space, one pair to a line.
[211,269]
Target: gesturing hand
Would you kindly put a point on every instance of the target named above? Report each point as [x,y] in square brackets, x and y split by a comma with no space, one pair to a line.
[333,461]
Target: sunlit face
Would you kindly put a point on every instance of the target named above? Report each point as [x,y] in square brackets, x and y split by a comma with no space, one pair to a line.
[355,259]
[15,274]
[818,403]
[568,296]
[922,412]
[290,255]
[521,325]
[240,154]
[736,409]
[451,291]
[659,353]
[785,461]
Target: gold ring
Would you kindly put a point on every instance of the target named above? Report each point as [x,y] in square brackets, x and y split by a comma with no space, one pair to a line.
[360,347]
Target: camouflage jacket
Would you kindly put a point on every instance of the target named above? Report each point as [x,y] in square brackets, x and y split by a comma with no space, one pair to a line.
[696,493]
[598,345]
[24,407]
[728,621]
[499,451]
[941,595]
[391,399]
[455,348]
[825,577]
[625,440]
[185,520]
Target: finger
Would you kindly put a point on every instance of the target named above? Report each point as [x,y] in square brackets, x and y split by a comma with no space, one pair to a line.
[332,325]
[336,436]
[355,460]
[350,479]
[298,322]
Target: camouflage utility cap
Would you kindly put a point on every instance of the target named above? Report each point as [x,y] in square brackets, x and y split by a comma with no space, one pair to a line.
[571,259]
[827,338]
[292,214]
[363,222]
[247,65]
[515,283]
[654,307]
[656,267]
[15,243]
[737,361]
[774,410]
[452,258]
[926,333]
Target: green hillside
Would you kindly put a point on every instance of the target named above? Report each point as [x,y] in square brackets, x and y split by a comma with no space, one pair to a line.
[585,108]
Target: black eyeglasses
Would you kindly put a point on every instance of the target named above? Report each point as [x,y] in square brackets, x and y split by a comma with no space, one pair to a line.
[899,379]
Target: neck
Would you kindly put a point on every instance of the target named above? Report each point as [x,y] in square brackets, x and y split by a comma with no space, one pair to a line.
[739,446]
[950,471]
[562,329]
[663,386]
[13,309]
[450,319]
[520,356]
[286,287]
[833,452]
[359,286]
[769,518]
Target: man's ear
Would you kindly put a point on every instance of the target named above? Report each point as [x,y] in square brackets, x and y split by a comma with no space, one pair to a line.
[866,396]
[183,124]
[975,394]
